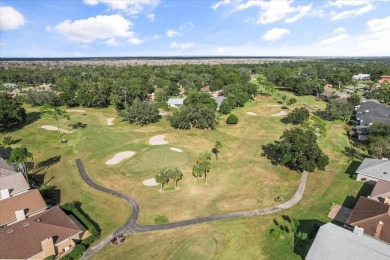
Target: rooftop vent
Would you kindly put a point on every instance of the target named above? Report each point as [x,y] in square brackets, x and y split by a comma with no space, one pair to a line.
[26,224]
[9,231]
[39,220]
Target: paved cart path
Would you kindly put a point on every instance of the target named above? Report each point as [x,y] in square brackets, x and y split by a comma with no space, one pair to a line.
[131,227]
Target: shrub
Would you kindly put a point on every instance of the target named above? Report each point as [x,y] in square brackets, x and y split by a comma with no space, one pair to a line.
[7,140]
[232,119]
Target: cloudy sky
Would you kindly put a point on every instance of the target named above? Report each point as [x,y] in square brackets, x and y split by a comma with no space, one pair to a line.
[97,28]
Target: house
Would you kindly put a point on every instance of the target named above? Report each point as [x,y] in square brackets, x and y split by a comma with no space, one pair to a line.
[219,100]
[11,182]
[329,92]
[10,85]
[361,77]
[373,170]
[48,233]
[45,87]
[384,79]
[337,243]
[381,191]
[175,102]
[17,208]
[372,217]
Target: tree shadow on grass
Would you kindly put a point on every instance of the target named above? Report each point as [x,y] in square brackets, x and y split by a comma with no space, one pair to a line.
[270,151]
[43,165]
[31,117]
[366,189]
[353,154]
[51,195]
[351,170]
[310,227]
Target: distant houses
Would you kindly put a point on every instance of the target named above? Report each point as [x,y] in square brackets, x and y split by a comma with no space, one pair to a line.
[175,102]
[361,77]
[384,79]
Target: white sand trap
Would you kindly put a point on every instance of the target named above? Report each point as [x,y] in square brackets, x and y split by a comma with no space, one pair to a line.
[110,121]
[75,110]
[119,157]
[281,113]
[273,105]
[176,149]
[54,128]
[162,113]
[251,113]
[158,140]
[150,182]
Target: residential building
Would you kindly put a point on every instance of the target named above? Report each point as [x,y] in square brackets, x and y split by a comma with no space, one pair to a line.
[384,79]
[11,182]
[20,207]
[175,102]
[49,233]
[374,170]
[381,191]
[10,85]
[361,77]
[372,217]
[337,243]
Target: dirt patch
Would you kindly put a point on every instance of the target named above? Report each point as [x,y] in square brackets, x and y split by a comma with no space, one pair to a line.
[54,128]
[158,140]
[120,157]
[281,113]
[237,203]
[251,113]
[110,121]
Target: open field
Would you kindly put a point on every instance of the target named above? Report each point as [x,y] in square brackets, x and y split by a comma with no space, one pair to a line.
[242,179]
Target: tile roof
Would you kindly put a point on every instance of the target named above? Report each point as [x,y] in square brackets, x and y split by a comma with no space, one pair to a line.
[31,201]
[376,168]
[381,191]
[23,239]
[337,243]
[14,182]
[367,213]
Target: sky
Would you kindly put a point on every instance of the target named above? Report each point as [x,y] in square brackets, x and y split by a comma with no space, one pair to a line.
[110,28]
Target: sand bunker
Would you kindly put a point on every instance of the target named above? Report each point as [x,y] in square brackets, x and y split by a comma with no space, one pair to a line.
[75,110]
[281,113]
[119,157]
[150,182]
[109,121]
[251,113]
[272,105]
[54,128]
[176,149]
[158,140]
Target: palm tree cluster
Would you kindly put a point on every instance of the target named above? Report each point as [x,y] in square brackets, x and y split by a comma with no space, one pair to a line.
[164,175]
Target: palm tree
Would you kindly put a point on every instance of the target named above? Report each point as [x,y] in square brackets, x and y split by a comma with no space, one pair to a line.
[55,113]
[162,177]
[176,175]
[204,163]
[197,172]
[217,147]
[19,157]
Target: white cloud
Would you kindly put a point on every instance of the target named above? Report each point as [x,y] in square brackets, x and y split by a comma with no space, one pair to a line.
[186,26]
[379,24]
[156,36]
[302,12]
[183,45]
[112,42]
[48,28]
[130,6]
[135,41]
[339,30]
[151,17]
[351,13]
[334,39]
[10,18]
[275,34]
[95,28]
[342,3]
[172,33]
[216,5]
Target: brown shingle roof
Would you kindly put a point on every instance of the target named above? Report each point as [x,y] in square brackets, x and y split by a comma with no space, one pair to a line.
[31,201]
[25,239]
[381,191]
[367,214]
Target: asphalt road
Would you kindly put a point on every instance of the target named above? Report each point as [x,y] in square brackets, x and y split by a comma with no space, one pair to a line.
[131,227]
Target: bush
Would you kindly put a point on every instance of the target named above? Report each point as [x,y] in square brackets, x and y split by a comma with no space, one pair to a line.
[232,119]
[7,140]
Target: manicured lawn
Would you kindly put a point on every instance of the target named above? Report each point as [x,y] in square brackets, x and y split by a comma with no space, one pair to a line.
[242,179]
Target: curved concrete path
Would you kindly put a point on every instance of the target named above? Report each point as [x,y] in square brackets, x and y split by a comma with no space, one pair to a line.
[131,227]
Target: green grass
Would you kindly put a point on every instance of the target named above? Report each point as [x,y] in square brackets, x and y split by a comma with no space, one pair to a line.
[196,247]
[161,220]
[242,179]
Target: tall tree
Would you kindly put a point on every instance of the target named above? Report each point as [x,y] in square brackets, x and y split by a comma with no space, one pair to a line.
[176,175]
[297,116]
[19,158]
[204,162]
[217,148]
[56,113]
[339,108]
[11,111]
[162,177]
[142,113]
[197,172]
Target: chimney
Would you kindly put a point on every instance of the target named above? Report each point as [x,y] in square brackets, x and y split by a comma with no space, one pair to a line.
[48,247]
[20,215]
[358,230]
[378,230]
[4,194]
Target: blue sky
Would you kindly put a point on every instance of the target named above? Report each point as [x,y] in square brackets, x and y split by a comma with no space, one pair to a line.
[95,28]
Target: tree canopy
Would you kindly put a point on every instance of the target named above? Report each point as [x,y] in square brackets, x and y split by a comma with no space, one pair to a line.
[339,108]
[11,111]
[193,116]
[141,113]
[297,116]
